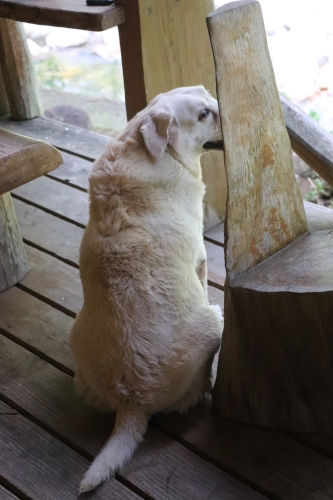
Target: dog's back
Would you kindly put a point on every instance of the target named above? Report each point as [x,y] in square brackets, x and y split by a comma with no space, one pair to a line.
[144,339]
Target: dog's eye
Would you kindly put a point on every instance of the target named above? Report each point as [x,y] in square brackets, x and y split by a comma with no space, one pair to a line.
[203,114]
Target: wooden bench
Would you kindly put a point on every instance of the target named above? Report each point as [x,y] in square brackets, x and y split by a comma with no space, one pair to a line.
[21,160]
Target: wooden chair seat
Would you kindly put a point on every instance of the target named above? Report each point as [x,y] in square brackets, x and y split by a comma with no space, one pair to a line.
[275,366]
[65,13]
[23,159]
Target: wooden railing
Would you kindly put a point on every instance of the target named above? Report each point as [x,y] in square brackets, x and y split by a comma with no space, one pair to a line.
[309,140]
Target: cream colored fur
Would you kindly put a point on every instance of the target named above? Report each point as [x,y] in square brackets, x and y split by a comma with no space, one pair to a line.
[145,338]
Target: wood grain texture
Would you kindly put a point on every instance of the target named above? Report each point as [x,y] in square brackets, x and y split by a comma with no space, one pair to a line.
[23,159]
[309,140]
[305,266]
[43,230]
[275,359]
[269,461]
[60,469]
[48,396]
[13,260]
[53,281]
[18,71]
[63,13]
[59,199]
[4,104]
[6,495]
[33,323]
[63,136]
[74,171]
[275,362]
[257,148]
[131,58]
[215,262]
[318,217]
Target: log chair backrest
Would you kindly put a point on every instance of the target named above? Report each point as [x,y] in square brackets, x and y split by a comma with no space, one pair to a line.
[264,209]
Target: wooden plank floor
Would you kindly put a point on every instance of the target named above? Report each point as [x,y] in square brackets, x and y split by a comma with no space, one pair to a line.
[48,435]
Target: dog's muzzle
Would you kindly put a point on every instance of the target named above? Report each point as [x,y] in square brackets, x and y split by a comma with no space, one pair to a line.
[213,145]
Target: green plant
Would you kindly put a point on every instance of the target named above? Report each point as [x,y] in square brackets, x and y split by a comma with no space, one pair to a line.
[315,115]
[49,72]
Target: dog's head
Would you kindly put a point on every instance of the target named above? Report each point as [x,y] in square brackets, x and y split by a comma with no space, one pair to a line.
[185,119]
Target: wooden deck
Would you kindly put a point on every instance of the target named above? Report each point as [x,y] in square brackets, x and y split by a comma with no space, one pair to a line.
[48,436]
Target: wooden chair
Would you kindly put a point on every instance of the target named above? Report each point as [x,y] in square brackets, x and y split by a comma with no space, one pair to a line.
[21,160]
[276,361]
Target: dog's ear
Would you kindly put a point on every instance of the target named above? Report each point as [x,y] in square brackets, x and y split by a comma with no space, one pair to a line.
[157,134]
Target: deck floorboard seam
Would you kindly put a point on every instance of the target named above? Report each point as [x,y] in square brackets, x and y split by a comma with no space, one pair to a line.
[37,352]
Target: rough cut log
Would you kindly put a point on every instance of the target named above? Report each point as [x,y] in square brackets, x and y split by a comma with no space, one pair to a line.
[23,159]
[13,260]
[275,361]
[18,71]
[165,45]
[309,140]
[260,176]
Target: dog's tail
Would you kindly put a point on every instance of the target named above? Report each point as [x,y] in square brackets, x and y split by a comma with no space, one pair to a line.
[130,427]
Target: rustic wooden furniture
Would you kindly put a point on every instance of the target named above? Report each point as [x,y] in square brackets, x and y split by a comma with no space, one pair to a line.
[275,364]
[48,435]
[21,160]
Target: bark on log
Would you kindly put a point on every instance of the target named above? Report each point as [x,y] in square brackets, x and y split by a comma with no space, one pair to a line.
[275,361]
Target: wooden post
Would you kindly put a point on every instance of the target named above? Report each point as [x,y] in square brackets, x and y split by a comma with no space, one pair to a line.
[275,363]
[166,45]
[18,71]
[13,260]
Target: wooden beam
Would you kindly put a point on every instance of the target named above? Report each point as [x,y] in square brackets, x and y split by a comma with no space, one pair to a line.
[131,55]
[23,159]
[18,72]
[309,140]
[63,13]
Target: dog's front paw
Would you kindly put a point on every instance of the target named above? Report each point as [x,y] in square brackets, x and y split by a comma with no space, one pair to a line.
[217,310]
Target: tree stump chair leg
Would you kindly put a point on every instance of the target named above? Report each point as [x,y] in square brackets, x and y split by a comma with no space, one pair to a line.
[275,364]
[13,259]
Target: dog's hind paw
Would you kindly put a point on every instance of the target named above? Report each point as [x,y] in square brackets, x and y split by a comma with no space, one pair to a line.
[217,310]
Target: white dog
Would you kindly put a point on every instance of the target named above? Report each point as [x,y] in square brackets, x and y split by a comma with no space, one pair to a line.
[145,338]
